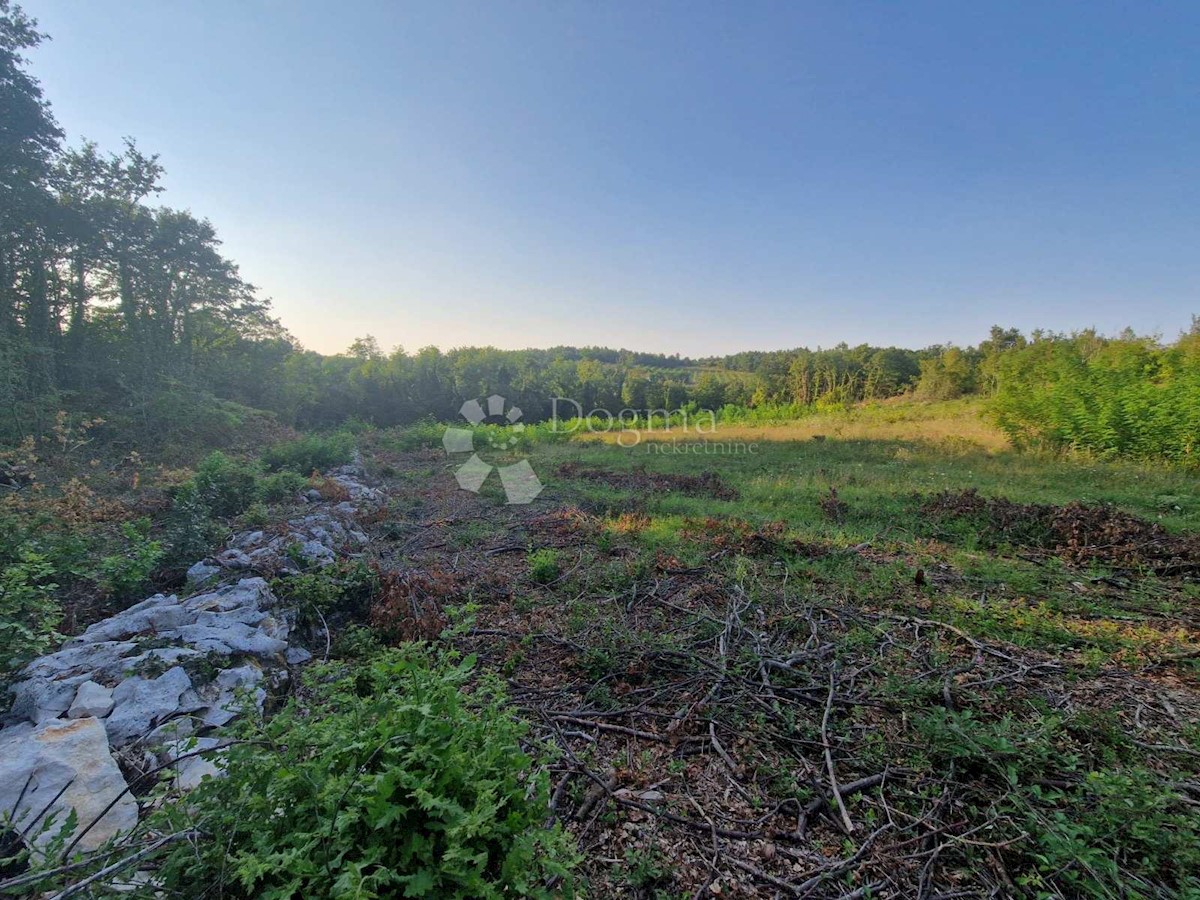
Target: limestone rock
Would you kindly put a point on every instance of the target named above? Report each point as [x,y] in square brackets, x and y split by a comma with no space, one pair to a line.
[141,703]
[91,701]
[71,756]
[202,573]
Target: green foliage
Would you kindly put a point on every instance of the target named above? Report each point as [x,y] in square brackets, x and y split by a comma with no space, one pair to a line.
[346,587]
[280,486]
[543,565]
[1127,396]
[256,515]
[29,612]
[190,530]
[356,642]
[1109,832]
[226,486]
[314,453]
[126,575]
[389,780]
[947,376]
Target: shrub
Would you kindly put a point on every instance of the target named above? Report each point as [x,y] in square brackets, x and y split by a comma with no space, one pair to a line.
[389,780]
[256,516]
[29,613]
[316,452]
[125,575]
[1124,396]
[281,486]
[543,565]
[190,530]
[346,587]
[226,486]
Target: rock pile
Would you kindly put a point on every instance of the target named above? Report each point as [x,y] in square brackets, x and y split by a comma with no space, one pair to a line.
[160,678]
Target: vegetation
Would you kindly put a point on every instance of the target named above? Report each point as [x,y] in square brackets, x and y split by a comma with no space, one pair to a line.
[396,782]
[1125,396]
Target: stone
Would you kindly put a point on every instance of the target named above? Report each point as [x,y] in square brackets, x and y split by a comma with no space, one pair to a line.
[158,614]
[234,559]
[141,703]
[199,761]
[91,701]
[71,756]
[233,686]
[248,539]
[202,573]
[41,699]
[316,553]
[297,656]
[228,636]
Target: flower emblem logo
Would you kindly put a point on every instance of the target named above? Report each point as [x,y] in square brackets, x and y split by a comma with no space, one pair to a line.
[521,484]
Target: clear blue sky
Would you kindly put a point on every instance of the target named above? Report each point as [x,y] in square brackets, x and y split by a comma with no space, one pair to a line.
[699,177]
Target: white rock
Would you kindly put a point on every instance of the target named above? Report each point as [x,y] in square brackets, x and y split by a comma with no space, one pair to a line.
[234,559]
[159,613]
[316,553]
[297,656]
[71,754]
[200,760]
[202,573]
[232,686]
[40,699]
[91,700]
[141,703]
[248,539]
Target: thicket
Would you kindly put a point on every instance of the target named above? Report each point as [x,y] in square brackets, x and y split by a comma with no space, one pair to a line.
[1126,396]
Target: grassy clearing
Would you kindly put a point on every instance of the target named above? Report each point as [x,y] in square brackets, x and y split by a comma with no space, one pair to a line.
[713,641]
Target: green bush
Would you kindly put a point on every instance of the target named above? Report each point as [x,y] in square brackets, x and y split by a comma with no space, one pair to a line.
[345,586]
[543,565]
[29,612]
[281,486]
[316,452]
[225,485]
[190,529]
[388,780]
[127,574]
[1126,396]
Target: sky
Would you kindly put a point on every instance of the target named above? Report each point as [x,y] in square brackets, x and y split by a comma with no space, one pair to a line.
[694,177]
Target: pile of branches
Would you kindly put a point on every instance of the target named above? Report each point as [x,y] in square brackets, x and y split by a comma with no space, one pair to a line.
[1079,533]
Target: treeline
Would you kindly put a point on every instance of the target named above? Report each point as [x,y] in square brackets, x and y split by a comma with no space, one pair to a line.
[108,302]
[401,387]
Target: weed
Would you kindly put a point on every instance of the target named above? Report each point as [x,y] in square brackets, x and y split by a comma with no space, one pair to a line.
[543,565]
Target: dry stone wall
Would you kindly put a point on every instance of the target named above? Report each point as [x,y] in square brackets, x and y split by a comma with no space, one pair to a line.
[160,679]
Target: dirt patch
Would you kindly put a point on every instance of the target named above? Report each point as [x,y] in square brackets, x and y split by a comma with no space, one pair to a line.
[706,484]
[1078,533]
